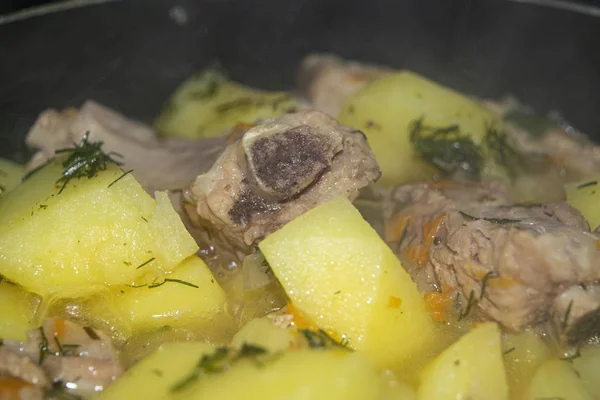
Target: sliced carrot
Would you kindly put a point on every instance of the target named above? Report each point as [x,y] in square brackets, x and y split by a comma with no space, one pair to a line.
[438,304]
[59,329]
[419,253]
[10,388]
[394,228]
[299,318]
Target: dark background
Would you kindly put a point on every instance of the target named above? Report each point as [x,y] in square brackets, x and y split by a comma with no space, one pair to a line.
[130,55]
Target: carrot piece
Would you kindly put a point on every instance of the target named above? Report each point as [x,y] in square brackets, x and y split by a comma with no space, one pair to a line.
[10,388]
[394,302]
[438,303]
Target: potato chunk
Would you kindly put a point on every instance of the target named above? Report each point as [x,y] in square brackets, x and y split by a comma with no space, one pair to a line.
[385,109]
[17,311]
[208,104]
[10,175]
[471,368]
[339,273]
[587,367]
[556,379]
[153,377]
[585,197]
[263,332]
[188,297]
[299,374]
[98,230]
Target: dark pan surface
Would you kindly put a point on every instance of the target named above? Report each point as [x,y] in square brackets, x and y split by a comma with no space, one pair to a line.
[130,55]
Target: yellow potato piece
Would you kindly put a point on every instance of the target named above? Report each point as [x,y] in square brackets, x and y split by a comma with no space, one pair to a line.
[300,374]
[264,333]
[585,196]
[385,109]
[340,274]
[93,232]
[153,377]
[208,104]
[175,302]
[472,368]
[588,368]
[10,175]
[523,353]
[17,311]
[556,379]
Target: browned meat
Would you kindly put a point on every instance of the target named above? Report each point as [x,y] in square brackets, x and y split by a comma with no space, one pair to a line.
[157,164]
[326,80]
[276,172]
[64,355]
[521,264]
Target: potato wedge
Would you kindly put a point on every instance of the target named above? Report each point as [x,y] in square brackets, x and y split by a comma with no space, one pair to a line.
[471,368]
[17,311]
[386,108]
[263,332]
[101,230]
[339,273]
[208,104]
[585,196]
[588,367]
[299,374]
[188,297]
[556,379]
[10,175]
[153,377]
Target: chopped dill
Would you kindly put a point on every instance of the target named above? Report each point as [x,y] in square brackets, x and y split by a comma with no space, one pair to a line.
[120,177]
[571,357]
[84,160]
[155,285]
[144,218]
[43,347]
[470,302]
[587,184]
[320,339]
[219,361]
[509,350]
[91,333]
[145,263]
[63,348]
[489,275]
[446,148]
[565,321]
[157,372]
[492,220]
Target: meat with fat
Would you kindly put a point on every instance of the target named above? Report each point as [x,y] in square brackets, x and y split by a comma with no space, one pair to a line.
[276,172]
[521,264]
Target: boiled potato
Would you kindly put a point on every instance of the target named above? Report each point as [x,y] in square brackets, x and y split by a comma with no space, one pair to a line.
[385,110]
[154,376]
[299,374]
[208,104]
[472,368]
[96,231]
[585,196]
[340,274]
[588,368]
[17,311]
[264,333]
[188,297]
[556,379]
[10,175]
[523,353]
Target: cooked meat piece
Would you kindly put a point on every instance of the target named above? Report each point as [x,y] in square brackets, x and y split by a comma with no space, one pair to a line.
[14,365]
[326,80]
[64,353]
[157,164]
[549,138]
[521,264]
[278,171]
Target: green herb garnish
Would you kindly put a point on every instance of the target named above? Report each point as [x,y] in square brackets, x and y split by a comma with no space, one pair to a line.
[489,275]
[565,321]
[446,148]
[587,184]
[145,263]
[321,340]
[120,177]
[91,333]
[492,220]
[154,285]
[470,302]
[84,160]
[534,124]
[509,350]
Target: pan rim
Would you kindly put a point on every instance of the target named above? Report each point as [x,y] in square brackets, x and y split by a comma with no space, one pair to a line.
[47,9]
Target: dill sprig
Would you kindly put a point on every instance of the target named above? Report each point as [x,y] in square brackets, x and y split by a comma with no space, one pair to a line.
[470,302]
[492,220]
[220,361]
[447,148]
[84,160]
[587,184]
[145,263]
[120,177]
[565,321]
[182,282]
[484,282]
[321,340]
